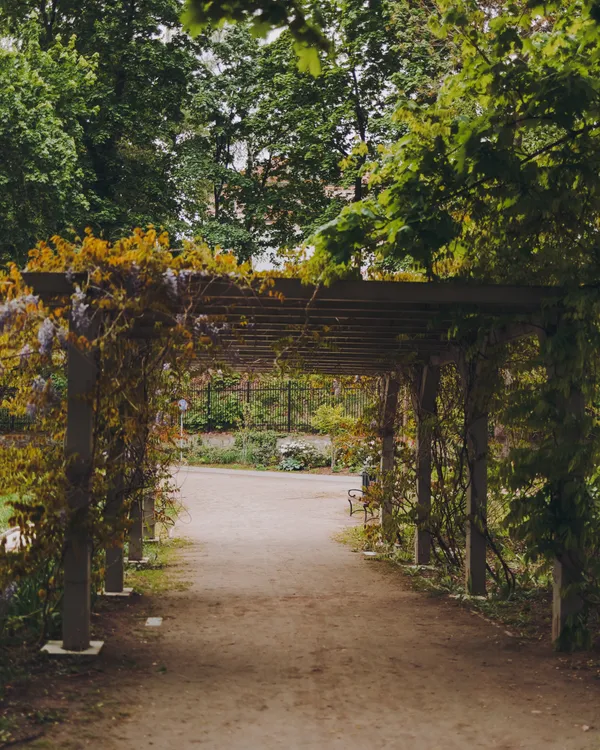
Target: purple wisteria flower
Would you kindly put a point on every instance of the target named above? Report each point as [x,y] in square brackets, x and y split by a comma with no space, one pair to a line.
[62,336]
[31,410]
[79,309]
[39,384]
[14,307]
[46,333]
[186,275]
[170,282]
[204,326]
[24,354]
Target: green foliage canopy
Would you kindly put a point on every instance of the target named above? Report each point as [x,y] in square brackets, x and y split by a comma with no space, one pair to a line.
[282,152]
[44,95]
[499,178]
[127,136]
[222,135]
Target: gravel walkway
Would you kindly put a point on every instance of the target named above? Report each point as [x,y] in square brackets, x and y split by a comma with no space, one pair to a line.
[286,639]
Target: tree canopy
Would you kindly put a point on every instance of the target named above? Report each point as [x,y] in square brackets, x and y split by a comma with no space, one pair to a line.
[499,178]
[221,136]
[281,151]
[44,95]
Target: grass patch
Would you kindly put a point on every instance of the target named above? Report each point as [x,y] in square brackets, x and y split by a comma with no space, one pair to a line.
[163,571]
[352,536]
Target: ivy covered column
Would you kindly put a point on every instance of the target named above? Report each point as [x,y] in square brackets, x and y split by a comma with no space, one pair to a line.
[387,432]
[570,505]
[429,377]
[476,546]
[82,371]
[137,413]
[114,569]
[136,528]
[475,376]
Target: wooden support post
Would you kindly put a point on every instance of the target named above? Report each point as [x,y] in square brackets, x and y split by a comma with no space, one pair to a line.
[114,570]
[137,452]
[136,531]
[81,378]
[566,604]
[428,385]
[114,574]
[475,562]
[149,518]
[472,377]
[390,405]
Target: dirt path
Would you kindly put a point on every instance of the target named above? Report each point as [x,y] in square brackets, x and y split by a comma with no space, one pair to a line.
[288,640]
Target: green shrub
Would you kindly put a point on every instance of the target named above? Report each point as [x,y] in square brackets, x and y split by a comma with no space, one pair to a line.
[258,446]
[31,605]
[291,464]
[333,420]
[198,453]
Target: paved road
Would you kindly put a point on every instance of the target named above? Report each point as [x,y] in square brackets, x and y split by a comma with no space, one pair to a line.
[287,640]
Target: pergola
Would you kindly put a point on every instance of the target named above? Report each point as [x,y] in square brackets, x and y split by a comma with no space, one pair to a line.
[355,327]
[349,328]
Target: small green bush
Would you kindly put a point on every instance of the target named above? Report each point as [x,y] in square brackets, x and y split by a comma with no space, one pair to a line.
[291,464]
[198,453]
[259,446]
[30,606]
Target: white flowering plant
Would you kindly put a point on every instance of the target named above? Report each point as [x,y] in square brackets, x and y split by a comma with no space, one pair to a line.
[297,455]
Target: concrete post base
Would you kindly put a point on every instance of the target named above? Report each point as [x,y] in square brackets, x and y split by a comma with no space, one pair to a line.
[55,648]
[125,593]
[137,563]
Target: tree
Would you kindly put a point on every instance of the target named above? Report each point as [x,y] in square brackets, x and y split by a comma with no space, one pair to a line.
[43,97]
[303,21]
[224,136]
[500,178]
[282,151]
[144,69]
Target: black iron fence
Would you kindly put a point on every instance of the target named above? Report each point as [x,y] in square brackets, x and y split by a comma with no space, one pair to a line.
[284,407]
[9,422]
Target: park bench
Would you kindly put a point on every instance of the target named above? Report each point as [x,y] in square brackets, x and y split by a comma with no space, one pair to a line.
[358,500]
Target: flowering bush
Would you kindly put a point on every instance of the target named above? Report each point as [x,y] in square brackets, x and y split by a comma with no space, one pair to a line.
[298,454]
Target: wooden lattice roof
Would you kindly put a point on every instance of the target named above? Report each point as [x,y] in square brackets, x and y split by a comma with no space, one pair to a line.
[350,327]
[356,327]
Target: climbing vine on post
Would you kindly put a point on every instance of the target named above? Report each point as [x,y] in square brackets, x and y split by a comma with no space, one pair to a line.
[131,306]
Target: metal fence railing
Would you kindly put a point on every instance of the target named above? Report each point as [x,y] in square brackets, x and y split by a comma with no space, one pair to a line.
[284,407]
[10,422]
